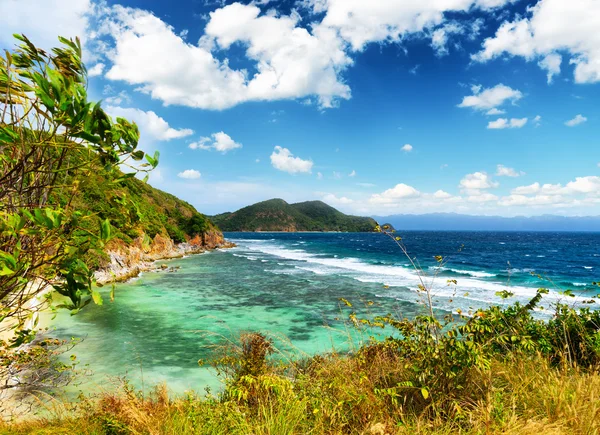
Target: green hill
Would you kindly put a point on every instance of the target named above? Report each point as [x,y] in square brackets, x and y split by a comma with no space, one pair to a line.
[136,209]
[278,215]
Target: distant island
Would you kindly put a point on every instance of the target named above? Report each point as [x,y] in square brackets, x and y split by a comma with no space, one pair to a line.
[278,215]
[462,222]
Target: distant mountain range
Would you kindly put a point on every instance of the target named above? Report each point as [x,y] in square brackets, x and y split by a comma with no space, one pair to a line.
[460,222]
[278,215]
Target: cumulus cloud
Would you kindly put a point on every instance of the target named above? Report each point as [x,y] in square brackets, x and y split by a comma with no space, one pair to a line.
[551,64]
[527,190]
[291,57]
[352,174]
[361,22]
[283,160]
[552,26]
[400,191]
[189,174]
[502,123]
[553,193]
[491,98]
[96,70]
[407,148]
[537,200]
[590,184]
[220,141]
[477,181]
[579,119]
[331,199]
[480,197]
[503,171]
[440,37]
[290,61]
[440,194]
[151,125]
[495,111]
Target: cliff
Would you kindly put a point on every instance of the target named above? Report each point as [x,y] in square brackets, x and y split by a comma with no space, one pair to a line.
[128,260]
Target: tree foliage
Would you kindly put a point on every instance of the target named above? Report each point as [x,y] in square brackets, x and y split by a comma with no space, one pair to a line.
[51,140]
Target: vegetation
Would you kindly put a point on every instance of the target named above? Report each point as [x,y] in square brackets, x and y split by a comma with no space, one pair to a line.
[500,371]
[135,209]
[64,198]
[278,215]
[51,140]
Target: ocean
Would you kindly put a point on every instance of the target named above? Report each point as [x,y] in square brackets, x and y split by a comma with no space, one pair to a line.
[289,285]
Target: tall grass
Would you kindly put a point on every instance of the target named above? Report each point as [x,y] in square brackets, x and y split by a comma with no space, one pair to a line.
[347,395]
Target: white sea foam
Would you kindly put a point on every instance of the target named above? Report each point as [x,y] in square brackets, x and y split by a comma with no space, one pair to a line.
[471,289]
[474,273]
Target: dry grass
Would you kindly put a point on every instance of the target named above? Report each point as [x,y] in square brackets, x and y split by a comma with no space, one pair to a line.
[344,395]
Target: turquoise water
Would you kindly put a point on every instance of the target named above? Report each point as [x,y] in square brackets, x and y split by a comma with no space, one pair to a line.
[288,286]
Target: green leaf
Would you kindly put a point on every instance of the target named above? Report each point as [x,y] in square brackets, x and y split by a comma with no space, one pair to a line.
[97,297]
[105,230]
[4,271]
[425,393]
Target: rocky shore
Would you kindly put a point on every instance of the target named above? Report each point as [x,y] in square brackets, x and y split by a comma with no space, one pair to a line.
[128,261]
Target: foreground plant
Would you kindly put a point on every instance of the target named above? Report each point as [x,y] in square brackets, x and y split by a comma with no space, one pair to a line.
[51,139]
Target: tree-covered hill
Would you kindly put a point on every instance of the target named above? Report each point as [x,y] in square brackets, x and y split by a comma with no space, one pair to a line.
[135,209]
[278,215]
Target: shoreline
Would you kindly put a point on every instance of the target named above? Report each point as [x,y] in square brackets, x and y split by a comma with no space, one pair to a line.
[128,261]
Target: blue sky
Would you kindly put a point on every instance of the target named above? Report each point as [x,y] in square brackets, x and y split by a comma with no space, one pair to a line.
[380,107]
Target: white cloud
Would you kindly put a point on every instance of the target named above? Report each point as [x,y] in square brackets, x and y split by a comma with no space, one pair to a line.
[537,120]
[537,200]
[527,190]
[319,176]
[440,36]
[551,63]
[360,22]
[337,175]
[352,174]
[400,191]
[96,70]
[590,184]
[490,98]
[495,111]
[290,61]
[552,26]
[476,181]
[283,160]
[117,100]
[503,171]
[440,194]
[220,141]
[502,123]
[481,197]
[407,148]
[579,119]
[373,185]
[331,199]
[151,125]
[580,186]
[189,174]
[43,21]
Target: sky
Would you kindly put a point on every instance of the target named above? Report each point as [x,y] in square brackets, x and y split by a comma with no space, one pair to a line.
[379,107]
